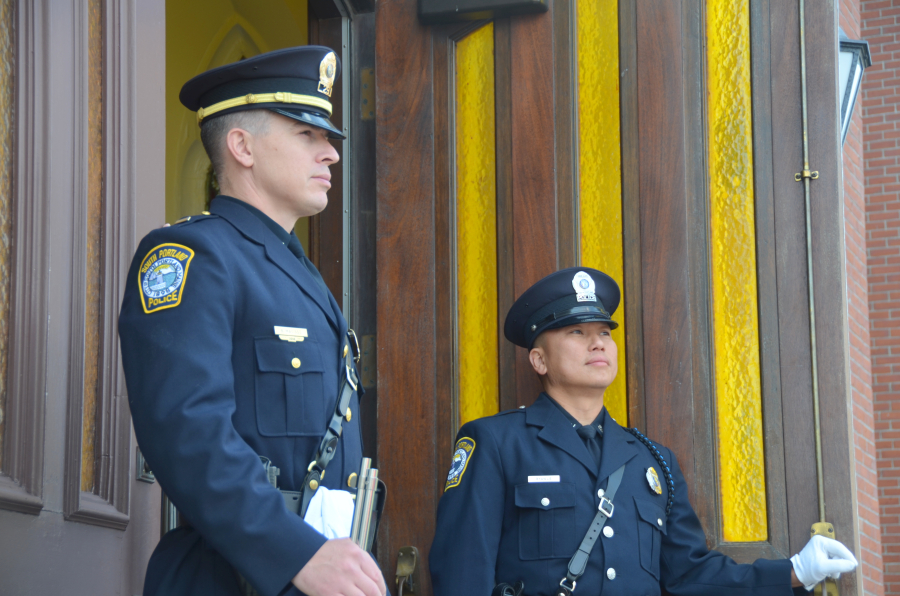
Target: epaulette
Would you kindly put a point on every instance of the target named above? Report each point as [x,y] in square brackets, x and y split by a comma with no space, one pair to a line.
[520,410]
[194,218]
[667,473]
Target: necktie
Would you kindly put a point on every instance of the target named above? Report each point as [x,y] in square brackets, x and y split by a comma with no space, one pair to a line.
[591,439]
[295,247]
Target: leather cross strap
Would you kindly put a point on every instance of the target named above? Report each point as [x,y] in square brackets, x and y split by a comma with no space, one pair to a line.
[328,445]
[578,562]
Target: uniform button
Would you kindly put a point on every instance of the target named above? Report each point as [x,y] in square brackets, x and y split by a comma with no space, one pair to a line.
[295,363]
[348,415]
[608,532]
[545,501]
[346,349]
[611,573]
[600,493]
[659,523]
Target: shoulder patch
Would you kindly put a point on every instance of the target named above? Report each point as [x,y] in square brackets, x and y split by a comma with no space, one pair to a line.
[162,276]
[465,447]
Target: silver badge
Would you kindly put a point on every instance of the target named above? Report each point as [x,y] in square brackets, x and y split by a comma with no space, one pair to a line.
[584,287]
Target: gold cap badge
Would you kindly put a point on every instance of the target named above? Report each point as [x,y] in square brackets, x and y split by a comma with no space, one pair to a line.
[327,70]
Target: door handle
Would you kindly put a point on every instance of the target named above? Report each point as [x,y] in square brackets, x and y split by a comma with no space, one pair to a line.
[407,571]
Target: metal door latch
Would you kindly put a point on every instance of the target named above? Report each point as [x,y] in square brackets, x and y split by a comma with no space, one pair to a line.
[407,572]
[827,530]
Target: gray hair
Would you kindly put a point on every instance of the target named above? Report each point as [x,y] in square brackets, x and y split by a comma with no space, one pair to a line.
[214,131]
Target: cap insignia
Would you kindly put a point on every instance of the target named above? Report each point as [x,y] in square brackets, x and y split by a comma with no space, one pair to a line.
[584,287]
[327,70]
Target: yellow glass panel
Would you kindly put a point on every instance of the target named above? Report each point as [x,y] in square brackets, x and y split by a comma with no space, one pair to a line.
[204,34]
[94,241]
[7,155]
[600,191]
[476,226]
[733,247]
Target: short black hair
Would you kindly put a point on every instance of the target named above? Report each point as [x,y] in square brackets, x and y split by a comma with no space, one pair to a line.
[214,130]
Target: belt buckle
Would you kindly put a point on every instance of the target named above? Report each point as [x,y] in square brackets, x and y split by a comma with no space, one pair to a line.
[567,589]
[354,344]
[606,507]
[348,372]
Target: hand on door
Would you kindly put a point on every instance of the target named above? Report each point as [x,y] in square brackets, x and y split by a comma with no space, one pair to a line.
[822,557]
[340,568]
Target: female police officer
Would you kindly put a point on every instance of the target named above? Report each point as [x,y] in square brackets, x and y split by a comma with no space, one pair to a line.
[557,496]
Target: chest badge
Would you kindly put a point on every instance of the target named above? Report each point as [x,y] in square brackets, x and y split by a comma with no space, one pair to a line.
[653,480]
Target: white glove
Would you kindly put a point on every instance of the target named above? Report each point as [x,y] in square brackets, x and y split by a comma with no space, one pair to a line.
[331,512]
[822,557]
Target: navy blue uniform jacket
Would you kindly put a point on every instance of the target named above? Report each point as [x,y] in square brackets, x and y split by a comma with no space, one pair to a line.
[496,526]
[212,388]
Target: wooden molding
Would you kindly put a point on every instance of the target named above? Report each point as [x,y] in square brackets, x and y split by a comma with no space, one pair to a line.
[108,505]
[21,484]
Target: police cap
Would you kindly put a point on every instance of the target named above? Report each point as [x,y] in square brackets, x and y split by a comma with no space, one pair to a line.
[567,297]
[294,82]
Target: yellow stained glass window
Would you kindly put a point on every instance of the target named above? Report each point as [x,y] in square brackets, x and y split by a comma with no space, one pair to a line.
[599,163]
[476,227]
[742,480]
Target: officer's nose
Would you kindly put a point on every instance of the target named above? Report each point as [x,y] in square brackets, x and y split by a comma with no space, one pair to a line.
[329,155]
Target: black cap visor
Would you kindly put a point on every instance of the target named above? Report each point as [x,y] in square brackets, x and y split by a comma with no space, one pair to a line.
[312,118]
[572,316]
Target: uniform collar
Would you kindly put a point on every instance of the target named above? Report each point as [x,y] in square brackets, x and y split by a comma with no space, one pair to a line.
[241,215]
[556,429]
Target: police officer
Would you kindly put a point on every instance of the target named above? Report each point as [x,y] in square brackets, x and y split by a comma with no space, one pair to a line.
[557,498]
[234,349]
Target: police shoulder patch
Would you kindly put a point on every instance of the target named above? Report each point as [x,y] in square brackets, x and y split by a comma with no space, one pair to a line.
[465,447]
[162,276]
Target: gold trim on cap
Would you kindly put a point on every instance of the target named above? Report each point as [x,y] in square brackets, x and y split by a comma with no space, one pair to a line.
[250,98]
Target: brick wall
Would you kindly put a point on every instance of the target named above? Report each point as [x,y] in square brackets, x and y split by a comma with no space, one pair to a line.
[880,26]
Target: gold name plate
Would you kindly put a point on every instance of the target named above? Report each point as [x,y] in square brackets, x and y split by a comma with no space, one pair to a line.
[291,334]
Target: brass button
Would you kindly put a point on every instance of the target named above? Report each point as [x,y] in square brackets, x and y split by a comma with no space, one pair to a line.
[659,522]
[295,363]
[313,484]
[349,415]
[351,480]
[205,212]
[346,349]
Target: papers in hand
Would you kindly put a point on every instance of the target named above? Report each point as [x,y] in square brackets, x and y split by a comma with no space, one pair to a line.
[330,512]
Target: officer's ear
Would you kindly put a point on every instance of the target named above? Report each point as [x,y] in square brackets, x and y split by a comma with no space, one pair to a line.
[538,358]
[239,144]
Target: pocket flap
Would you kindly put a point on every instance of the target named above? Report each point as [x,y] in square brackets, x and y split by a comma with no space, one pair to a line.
[545,495]
[651,513]
[275,355]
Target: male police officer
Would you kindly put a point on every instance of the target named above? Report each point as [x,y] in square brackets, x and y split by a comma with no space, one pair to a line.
[557,498]
[234,349]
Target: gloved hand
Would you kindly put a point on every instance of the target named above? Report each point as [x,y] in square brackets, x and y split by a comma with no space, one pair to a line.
[822,557]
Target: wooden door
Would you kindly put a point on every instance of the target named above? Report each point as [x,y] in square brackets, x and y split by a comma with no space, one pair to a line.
[83,168]
[668,280]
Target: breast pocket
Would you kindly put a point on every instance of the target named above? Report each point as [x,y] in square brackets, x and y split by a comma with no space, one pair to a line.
[290,397]
[546,520]
[651,527]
